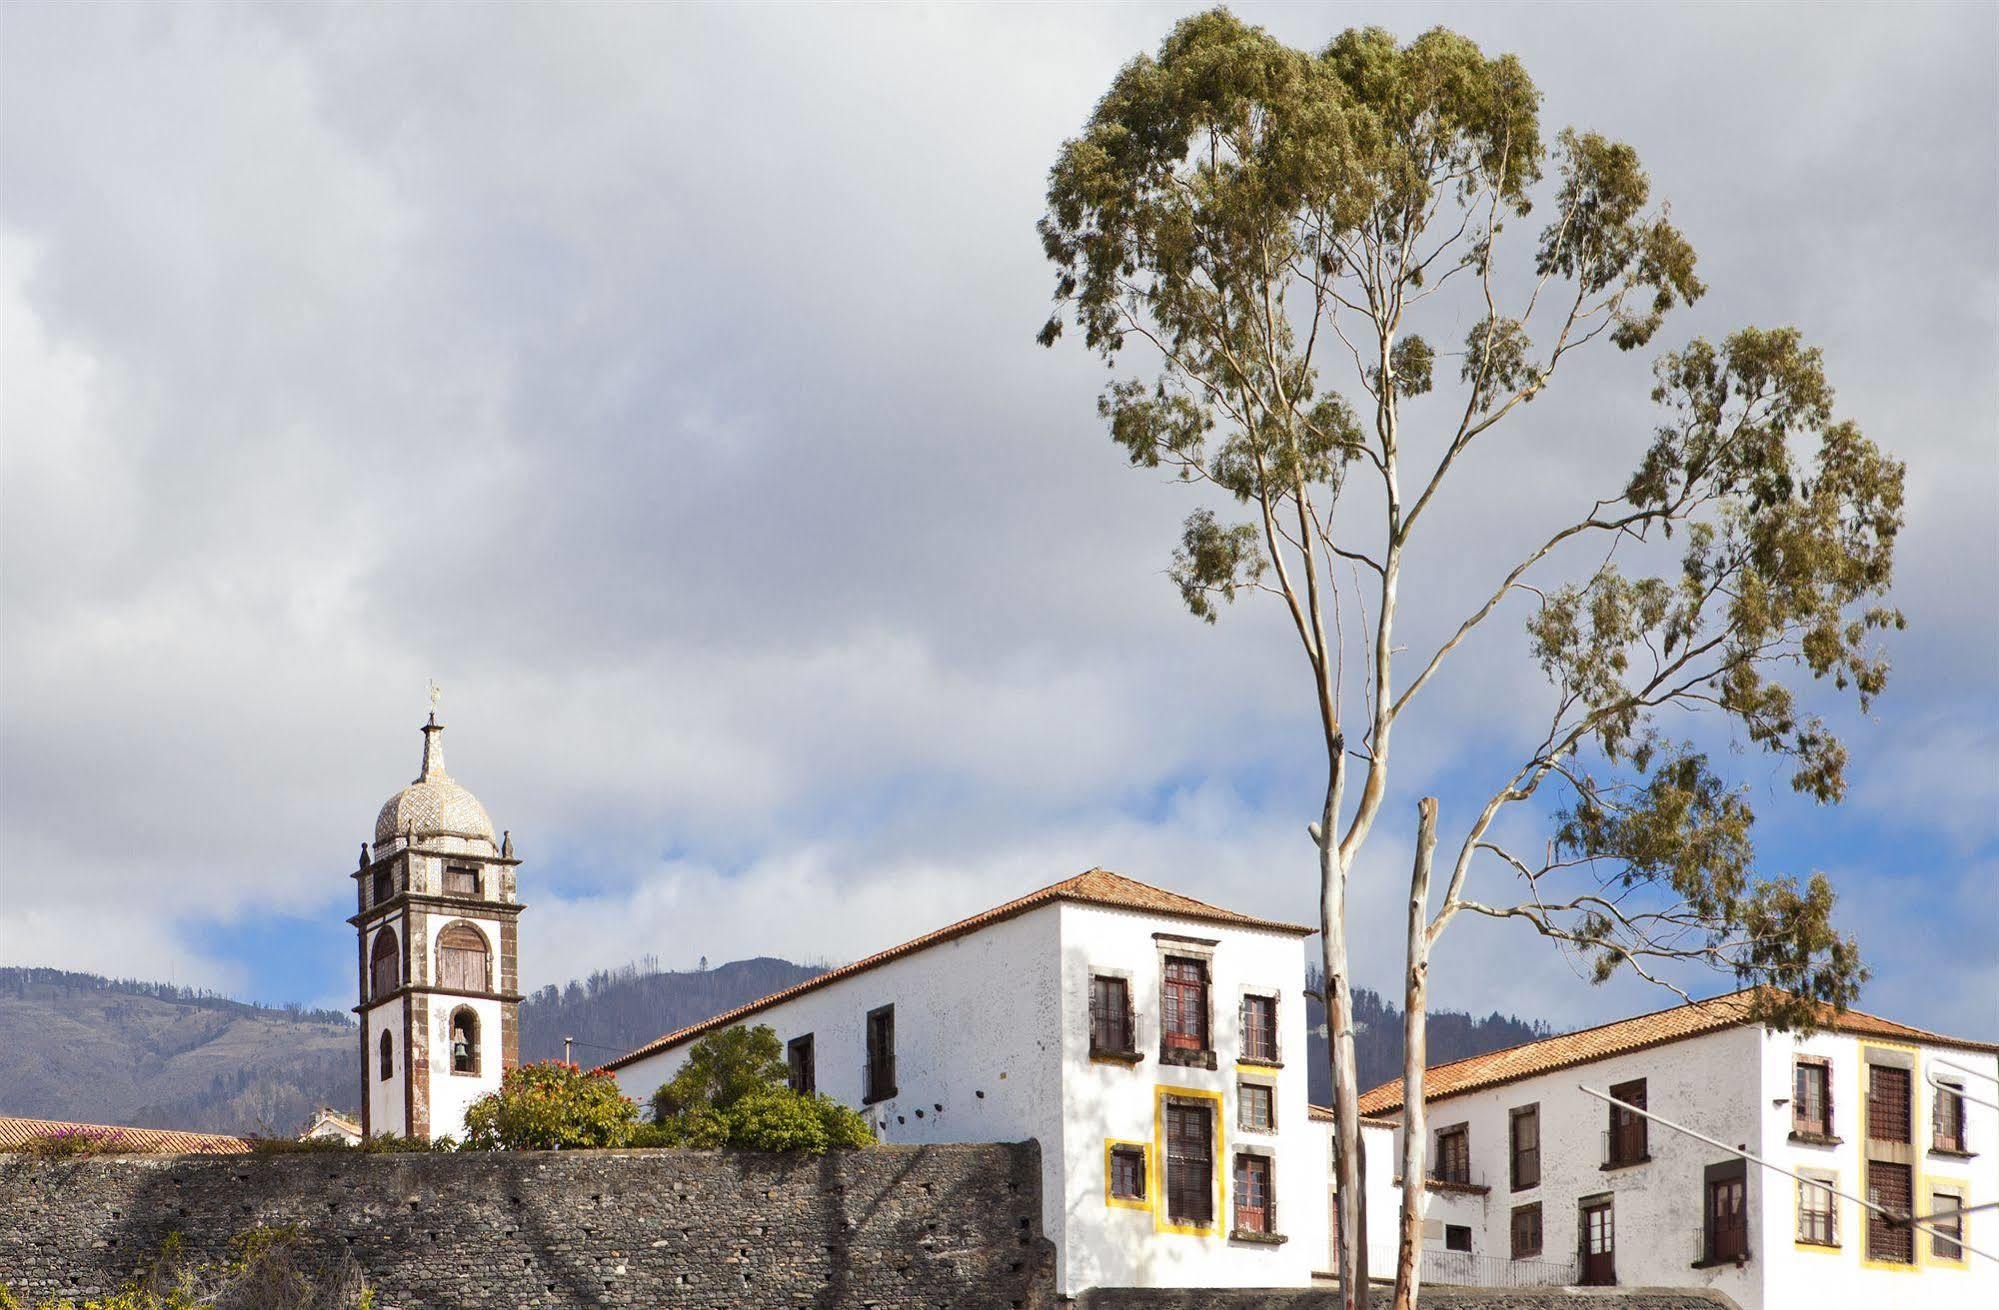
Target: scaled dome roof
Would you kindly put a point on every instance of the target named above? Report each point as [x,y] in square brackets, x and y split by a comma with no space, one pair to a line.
[433,805]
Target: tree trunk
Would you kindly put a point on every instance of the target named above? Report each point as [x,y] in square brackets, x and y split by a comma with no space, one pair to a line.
[1415,1050]
[1349,1161]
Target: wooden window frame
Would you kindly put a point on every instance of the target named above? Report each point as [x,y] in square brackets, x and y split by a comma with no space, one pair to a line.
[1724,1244]
[1947,1194]
[878,1072]
[1627,1130]
[1514,1150]
[1128,1153]
[1803,1129]
[1244,1086]
[801,1066]
[452,871]
[1450,1238]
[1460,1133]
[1261,1225]
[1179,1048]
[1172,1163]
[454,958]
[382,984]
[1879,1114]
[1822,1182]
[1951,1094]
[386,1049]
[1522,1250]
[1104,1023]
[1270,1056]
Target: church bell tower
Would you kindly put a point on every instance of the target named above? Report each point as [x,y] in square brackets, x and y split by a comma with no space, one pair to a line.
[439,947]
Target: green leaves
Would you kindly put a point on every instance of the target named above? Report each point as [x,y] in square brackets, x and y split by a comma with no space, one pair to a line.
[551,1106]
[721,1069]
[732,1092]
[1215,562]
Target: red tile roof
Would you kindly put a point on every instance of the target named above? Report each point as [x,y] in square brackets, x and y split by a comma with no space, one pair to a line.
[1324,1114]
[1478,1072]
[1093,887]
[17,1132]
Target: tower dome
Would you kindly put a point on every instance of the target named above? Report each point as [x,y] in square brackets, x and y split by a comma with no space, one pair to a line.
[433,805]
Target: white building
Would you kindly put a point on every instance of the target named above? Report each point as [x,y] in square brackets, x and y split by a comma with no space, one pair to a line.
[1153,1044]
[1535,1181]
[439,949]
[329,1125]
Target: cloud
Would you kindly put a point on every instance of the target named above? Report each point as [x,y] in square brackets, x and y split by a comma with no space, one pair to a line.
[662,381]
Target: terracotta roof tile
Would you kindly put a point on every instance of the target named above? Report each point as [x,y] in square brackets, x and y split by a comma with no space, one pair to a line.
[1475,1073]
[17,1132]
[1324,1114]
[1093,887]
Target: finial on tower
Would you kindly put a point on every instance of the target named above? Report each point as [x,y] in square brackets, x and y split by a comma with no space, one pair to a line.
[436,694]
[433,741]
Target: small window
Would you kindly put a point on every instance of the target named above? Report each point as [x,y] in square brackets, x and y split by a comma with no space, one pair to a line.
[1453,1163]
[1887,1103]
[1950,1247]
[461,958]
[388,1057]
[1110,1016]
[1185,1026]
[1253,1201]
[879,1076]
[1889,1185]
[1259,1028]
[461,880]
[1947,1119]
[1258,1105]
[464,1041]
[384,967]
[1811,1099]
[1818,1212]
[385,885]
[801,1077]
[1457,1237]
[1128,1173]
[1190,1163]
[1524,1133]
[1526,1231]
[1626,1141]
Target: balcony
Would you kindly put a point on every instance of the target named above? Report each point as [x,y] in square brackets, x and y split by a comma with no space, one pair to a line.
[1624,1145]
[1463,1269]
[1724,1246]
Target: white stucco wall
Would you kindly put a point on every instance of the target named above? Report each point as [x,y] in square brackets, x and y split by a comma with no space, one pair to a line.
[1384,1198]
[385,1096]
[977,1036]
[1111,1246]
[1796,1275]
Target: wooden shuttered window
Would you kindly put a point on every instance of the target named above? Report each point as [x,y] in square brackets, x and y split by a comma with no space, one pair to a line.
[1128,1173]
[1889,1185]
[1190,1163]
[1259,1028]
[801,1073]
[1628,1141]
[1725,1216]
[1888,1103]
[461,958]
[879,1075]
[385,969]
[1811,1099]
[1453,1155]
[1526,1231]
[461,880]
[1184,1007]
[1255,1205]
[1111,1023]
[1524,1132]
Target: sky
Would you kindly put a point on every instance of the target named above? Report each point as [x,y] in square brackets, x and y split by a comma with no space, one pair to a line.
[662,382]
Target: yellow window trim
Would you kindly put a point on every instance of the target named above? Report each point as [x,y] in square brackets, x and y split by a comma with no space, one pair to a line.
[1916,1127]
[1160,1094]
[1821,1247]
[1126,1202]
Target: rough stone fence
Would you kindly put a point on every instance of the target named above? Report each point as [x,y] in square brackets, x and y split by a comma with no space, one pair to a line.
[892,1227]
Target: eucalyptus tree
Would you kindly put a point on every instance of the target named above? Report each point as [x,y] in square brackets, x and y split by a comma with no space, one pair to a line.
[1270,231]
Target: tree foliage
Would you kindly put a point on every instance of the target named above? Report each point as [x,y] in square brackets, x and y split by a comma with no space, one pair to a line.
[551,1106]
[1287,237]
[732,1092]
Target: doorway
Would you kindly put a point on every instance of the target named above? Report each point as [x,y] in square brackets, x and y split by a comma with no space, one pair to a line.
[1599,1243]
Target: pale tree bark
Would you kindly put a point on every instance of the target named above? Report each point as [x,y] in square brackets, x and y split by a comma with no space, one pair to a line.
[1415,999]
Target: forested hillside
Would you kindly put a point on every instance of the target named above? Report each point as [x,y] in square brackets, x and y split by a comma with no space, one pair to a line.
[82,1047]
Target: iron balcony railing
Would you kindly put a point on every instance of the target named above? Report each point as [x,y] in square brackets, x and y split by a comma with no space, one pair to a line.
[1722,1246]
[1463,1269]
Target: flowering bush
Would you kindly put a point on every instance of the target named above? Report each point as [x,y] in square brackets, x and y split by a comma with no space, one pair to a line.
[551,1106]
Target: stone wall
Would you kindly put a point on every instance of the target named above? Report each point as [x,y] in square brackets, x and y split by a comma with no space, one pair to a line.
[889,1227]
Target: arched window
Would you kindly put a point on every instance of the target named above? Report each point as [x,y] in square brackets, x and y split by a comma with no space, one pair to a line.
[388,1057]
[461,958]
[464,1041]
[384,968]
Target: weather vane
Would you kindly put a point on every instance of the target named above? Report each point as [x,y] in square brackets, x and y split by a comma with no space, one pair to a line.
[436,694]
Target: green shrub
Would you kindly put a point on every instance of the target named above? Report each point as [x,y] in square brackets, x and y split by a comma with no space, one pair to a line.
[551,1106]
[382,1143]
[732,1092]
[722,1068]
